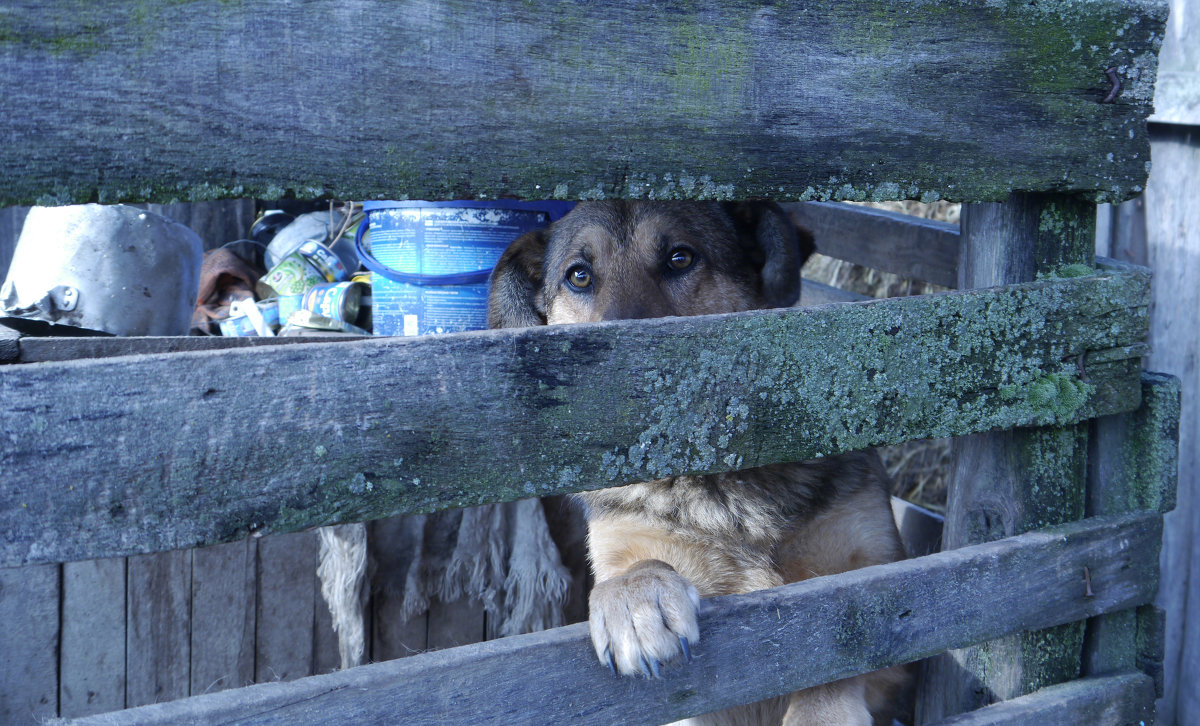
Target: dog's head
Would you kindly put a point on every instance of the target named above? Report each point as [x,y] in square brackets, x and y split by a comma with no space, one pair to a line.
[618,260]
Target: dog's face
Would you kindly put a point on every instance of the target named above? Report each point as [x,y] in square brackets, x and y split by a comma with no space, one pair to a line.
[620,260]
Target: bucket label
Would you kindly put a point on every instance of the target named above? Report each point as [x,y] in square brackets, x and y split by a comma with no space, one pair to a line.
[439,241]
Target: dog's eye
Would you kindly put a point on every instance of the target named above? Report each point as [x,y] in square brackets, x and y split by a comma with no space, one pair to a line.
[681,258]
[579,277]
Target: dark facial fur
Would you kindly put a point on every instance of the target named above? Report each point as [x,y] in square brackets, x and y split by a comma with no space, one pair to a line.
[624,260]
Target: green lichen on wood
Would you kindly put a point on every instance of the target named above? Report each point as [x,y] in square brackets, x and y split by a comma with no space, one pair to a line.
[743,99]
[1050,656]
[1148,467]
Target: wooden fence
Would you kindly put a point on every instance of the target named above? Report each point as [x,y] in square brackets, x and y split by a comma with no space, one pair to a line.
[1053,553]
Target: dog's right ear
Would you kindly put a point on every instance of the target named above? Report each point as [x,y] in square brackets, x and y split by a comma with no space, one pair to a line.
[516,284]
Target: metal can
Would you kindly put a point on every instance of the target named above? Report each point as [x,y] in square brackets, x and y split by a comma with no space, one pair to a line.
[310,265]
[243,326]
[337,301]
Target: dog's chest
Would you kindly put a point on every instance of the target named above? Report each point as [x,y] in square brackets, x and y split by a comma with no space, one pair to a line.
[754,507]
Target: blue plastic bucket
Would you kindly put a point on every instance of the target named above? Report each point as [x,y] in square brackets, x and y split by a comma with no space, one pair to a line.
[430,261]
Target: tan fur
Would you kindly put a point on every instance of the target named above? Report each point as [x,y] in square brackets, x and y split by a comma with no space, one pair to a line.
[657,547]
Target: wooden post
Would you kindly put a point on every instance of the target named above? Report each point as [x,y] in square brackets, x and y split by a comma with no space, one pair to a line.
[1010,482]
[1132,465]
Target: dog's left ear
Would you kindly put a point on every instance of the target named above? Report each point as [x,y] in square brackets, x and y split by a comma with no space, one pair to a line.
[777,245]
[516,283]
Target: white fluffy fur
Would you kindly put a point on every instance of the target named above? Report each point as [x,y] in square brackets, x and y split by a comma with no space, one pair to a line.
[500,555]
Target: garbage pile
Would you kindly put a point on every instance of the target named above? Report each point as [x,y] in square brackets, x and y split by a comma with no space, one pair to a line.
[293,276]
[120,270]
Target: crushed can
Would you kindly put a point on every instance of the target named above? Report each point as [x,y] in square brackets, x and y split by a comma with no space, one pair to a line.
[311,264]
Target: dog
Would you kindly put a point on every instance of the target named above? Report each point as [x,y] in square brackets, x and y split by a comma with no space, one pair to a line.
[656,547]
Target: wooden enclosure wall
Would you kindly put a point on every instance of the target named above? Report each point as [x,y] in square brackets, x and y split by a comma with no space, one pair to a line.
[711,100]
[102,635]
[1162,230]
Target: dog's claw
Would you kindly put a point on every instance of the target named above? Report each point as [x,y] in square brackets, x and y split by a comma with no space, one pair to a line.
[654,668]
[687,648]
[612,661]
[645,665]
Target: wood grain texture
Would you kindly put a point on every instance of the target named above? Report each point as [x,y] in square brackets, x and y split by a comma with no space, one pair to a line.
[158,629]
[93,639]
[440,100]
[29,612]
[41,350]
[1133,461]
[171,451]
[1173,234]
[224,599]
[753,646]
[287,599]
[1009,482]
[914,248]
[1119,700]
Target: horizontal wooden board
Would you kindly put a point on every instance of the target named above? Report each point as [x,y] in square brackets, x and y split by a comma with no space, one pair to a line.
[41,350]
[752,646]
[912,247]
[831,99]
[141,453]
[1119,700]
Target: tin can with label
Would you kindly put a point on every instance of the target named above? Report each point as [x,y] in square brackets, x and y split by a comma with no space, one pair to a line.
[338,301]
[243,326]
[310,265]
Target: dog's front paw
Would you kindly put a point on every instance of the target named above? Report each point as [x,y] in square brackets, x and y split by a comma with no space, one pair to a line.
[644,618]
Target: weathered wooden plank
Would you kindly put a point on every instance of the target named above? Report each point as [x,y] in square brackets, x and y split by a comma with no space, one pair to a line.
[732,99]
[287,596]
[1173,234]
[160,452]
[224,600]
[1013,481]
[455,623]
[1119,700]
[753,646]
[10,347]
[41,350]
[92,659]
[158,650]
[29,610]
[914,248]
[391,549]
[1133,465]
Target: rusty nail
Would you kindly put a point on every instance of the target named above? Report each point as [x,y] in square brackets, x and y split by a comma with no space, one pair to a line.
[1116,85]
[1087,582]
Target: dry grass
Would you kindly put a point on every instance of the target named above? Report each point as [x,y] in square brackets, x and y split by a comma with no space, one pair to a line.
[919,469]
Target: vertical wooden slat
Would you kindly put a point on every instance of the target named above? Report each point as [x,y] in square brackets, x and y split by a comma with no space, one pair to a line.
[393,636]
[287,571]
[391,544]
[1010,482]
[29,613]
[158,659]
[223,616]
[1173,248]
[456,623]
[94,619]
